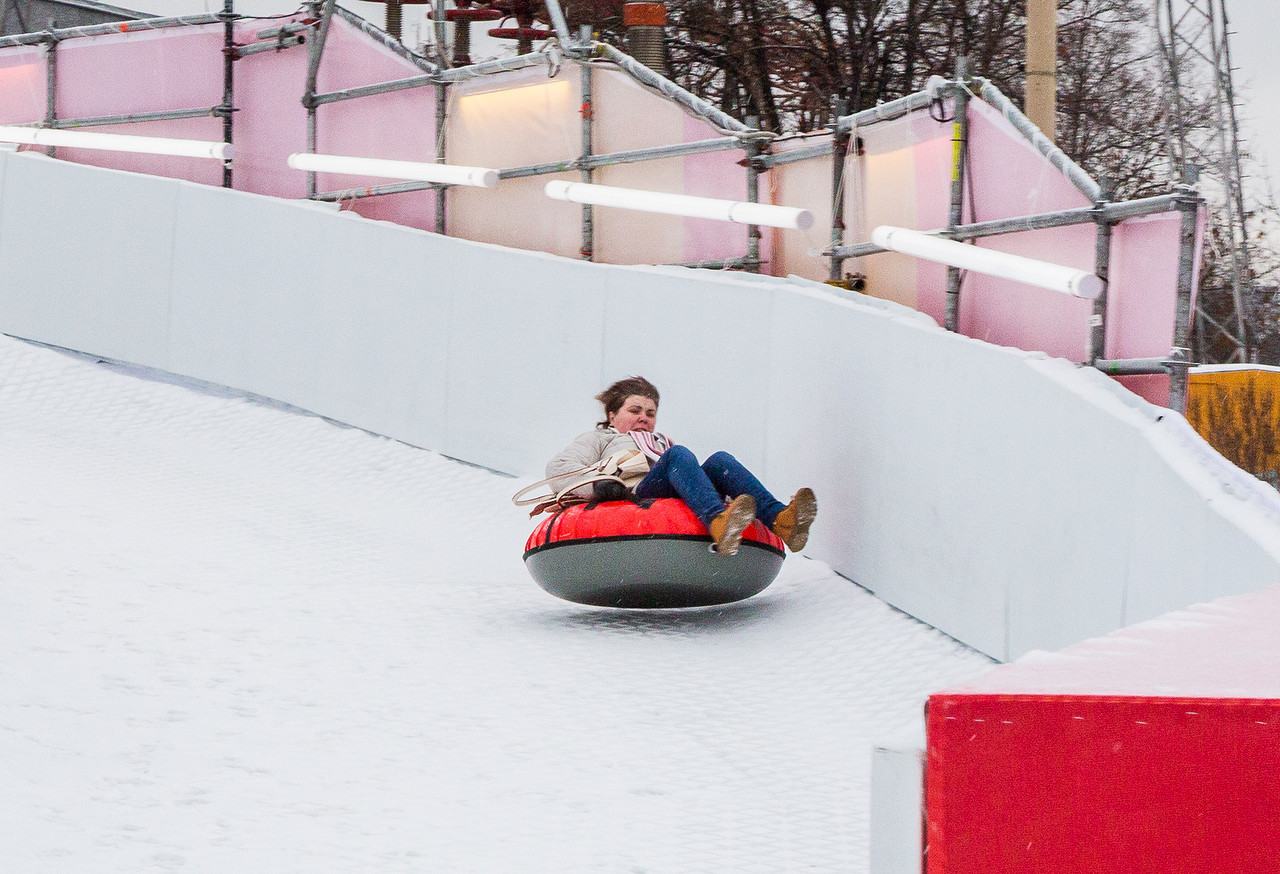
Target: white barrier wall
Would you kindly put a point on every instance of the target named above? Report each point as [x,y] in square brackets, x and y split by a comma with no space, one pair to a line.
[1011,500]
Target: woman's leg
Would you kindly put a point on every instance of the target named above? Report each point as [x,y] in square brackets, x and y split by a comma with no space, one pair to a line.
[677,475]
[731,479]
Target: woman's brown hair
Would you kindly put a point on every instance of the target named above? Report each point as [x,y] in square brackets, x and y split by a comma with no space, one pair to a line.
[616,395]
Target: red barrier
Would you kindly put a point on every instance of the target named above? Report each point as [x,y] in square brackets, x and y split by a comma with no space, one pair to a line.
[1100,784]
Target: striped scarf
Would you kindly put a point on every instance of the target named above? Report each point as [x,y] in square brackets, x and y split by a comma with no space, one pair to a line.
[651,443]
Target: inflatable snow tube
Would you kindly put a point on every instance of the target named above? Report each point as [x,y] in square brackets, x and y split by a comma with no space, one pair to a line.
[620,554]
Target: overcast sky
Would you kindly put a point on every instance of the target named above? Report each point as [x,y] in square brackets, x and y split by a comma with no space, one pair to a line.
[1254,27]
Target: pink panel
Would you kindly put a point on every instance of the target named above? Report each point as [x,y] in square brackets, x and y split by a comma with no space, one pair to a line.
[1153,387]
[1008,177]
[22,85]
[182,68]
[145,72]
[270,121]
[932,157]
[1026,317]
[1142,297]
[400,125]
[715,174]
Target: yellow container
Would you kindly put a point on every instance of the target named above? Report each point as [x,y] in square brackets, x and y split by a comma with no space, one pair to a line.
[1237,409]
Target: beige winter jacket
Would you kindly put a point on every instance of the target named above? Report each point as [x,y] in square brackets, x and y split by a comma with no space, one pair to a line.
[587,449]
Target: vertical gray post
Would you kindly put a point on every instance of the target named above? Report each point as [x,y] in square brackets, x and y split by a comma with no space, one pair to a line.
[839,156]
[440,21]
[311,147]
[315,52]
[1101,267]
[442,191]
[228,81]
[959,153]
[1189,205]
[752,148]
[50,85]
[588,111]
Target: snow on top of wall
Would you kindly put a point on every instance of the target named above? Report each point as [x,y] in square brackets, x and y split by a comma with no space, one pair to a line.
[1226,368]
[1226,648]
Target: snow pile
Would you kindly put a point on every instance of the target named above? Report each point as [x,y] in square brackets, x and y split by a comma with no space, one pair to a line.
[234,637]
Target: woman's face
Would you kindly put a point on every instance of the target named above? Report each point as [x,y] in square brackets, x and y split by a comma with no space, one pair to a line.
[637,413]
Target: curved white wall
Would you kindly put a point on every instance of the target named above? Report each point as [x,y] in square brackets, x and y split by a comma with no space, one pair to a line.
[1012,500]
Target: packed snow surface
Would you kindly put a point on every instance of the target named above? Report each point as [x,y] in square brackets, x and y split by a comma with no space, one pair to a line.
[236,637]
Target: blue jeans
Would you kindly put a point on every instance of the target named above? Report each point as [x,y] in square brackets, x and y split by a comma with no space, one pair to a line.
[704,487]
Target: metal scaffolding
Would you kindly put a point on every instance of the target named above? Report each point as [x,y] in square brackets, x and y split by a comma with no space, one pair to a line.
[735,135]
[1194,48]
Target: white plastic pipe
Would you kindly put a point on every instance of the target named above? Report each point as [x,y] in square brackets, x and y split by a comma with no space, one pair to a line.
[419,171]
[1068,280]
[76,139]
[682,204]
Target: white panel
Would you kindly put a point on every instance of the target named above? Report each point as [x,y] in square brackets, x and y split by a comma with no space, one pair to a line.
[1205,532]
[328,311]
[867,402]
[85,256]
[524,356]
[897,809]
[703,340]
[1069,577]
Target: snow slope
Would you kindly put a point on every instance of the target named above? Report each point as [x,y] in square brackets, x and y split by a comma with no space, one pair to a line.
[237,637]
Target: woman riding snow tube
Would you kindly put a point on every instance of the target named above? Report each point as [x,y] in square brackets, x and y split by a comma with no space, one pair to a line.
[606,545]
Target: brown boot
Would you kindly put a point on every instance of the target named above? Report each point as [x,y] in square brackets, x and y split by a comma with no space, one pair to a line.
[792,524]
[726,529]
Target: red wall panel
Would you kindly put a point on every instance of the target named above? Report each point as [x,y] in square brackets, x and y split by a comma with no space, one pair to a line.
[1099,784]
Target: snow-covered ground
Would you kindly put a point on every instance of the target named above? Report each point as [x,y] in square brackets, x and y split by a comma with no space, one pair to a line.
[236,637]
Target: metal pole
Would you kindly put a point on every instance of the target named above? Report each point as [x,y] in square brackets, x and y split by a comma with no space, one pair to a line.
[315,52]
[752,148]
[591,162]
[378,88]
[500,65]
[595,162]
[50,85]
[1241,273]
[959,154]
[840,154]
[1189,206]
[1102,269]
[228,81]
[345,194]
[275,45]
[588,216]
[442,194]
[1112,213]
[135,117]
[28,39]
[887,111]
[311,147]
[562,28]
[718,264]
[1138,366]
[439,17]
